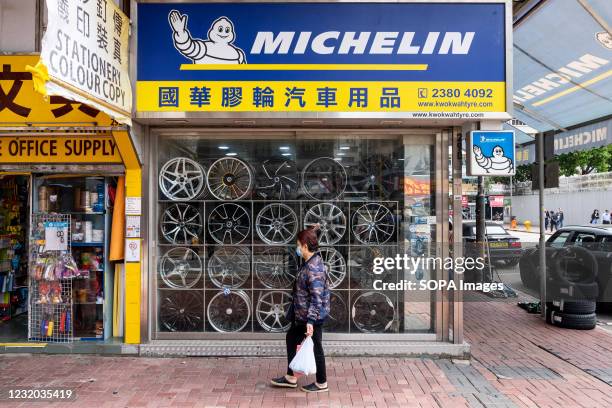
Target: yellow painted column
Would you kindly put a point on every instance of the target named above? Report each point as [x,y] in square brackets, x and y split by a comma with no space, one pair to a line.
[133,188]
[133,269]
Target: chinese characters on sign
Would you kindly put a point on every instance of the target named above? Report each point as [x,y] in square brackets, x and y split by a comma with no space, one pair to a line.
[286,96]
[20,103]
[411,59]
[85,50]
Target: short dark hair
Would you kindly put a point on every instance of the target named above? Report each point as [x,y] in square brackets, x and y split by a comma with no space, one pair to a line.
[309,237]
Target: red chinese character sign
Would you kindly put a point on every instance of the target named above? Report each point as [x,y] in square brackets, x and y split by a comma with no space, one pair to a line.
[85,52]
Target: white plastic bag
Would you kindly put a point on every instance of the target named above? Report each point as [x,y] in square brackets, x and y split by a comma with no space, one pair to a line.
[304,360]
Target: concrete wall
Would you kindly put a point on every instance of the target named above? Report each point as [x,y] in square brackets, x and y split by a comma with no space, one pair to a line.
[17,26]
[577,206]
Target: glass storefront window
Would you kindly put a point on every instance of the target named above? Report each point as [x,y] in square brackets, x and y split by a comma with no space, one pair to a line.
[229,207]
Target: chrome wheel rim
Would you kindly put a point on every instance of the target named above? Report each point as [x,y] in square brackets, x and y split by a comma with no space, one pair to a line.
[323,179]
[373,312]
[375,177]
[276,268]
[229,311]
[278,180]
[276,224]
[181,224]
[271,309]
[229,267]
[373,223]
[229,223]
[338,315]
[180,268]
[181,311]
[335,265]
[229,178]
[331,220]
[362,265]
[181,179]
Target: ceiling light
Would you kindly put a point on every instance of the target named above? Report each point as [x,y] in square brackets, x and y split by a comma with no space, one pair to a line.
[286,154]
[223,147]
[338,158]
[345,147]
[231,154]
[284,148]
[341,154]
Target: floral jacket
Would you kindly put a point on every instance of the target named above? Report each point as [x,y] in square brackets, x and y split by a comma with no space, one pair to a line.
[311,292]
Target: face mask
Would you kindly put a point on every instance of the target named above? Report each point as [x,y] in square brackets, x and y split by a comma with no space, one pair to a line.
[298,251]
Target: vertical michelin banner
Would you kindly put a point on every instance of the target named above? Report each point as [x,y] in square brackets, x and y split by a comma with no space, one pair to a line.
[85,55]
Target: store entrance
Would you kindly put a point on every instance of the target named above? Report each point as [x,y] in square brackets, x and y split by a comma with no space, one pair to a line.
[14,226]
[56,280]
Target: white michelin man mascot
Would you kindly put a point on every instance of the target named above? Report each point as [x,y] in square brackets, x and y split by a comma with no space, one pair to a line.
[498,162]
[218,48]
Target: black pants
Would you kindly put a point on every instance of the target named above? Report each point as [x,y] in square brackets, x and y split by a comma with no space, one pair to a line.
[295,336]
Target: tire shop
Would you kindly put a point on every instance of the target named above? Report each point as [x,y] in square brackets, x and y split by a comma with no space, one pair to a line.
[255,128]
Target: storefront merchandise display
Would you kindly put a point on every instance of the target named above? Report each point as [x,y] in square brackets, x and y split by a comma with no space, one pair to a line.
[229,213]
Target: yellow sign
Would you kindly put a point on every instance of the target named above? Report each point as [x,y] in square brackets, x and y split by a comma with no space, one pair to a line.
[60,149]
[20,104]
[421,99]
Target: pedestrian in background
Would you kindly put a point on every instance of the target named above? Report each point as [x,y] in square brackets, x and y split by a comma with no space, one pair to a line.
[605,217]
[595,217]
[561,218]
[546,219]
[554,217]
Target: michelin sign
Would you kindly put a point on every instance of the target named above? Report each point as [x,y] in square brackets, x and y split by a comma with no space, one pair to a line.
[417,59]
[491,153]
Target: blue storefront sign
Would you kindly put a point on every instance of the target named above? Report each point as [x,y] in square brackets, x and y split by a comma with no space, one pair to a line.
[491,153]
[406,57]
[584,138]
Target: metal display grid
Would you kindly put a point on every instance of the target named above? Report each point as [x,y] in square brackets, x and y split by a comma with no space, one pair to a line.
[49,311]
[346,292]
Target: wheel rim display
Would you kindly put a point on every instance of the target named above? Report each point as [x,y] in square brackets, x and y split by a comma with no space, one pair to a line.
[334,264]
[373,224]
[181,224]
[229,178]
[363,264]
[323,179]
[331,220]
[278,180]
[276,224]
[373,312]
[180,268]
[229,223]
[229,267]
[181,311]
[271,309]
[276,268]
[338,315]
[375,177]
[229,311]
[181,179]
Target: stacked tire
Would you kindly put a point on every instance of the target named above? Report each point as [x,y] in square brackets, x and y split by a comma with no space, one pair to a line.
[573,289]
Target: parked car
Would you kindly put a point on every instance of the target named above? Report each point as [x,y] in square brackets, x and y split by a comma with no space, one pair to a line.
[502,247]
[595,240]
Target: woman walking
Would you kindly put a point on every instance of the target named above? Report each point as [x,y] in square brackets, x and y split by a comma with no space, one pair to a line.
[309,309]
[595,217]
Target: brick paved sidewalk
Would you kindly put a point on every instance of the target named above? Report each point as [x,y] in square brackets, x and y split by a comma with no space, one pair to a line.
[517,361]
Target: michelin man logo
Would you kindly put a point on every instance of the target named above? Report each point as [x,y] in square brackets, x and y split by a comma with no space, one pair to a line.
[218,48]
[497,162]
[604,39]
